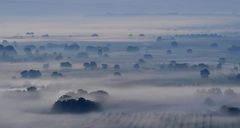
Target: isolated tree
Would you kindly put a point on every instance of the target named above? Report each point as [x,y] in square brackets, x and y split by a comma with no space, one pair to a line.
[136,66]
[104,66]
[159,39]
[56,74]
[116,67]
[189,50]
[174,44]
[66,65]
[204,73]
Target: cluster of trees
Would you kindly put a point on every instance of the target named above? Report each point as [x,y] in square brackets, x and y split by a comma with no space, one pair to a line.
[148,56]
[32,89]
[214,45]
[189,51]
[78,102]
[7,51]
[30,34]
[80,105]
[90,65]
[30,49]
[31,74]
[56,74]
[104,66]
[101,51]
[230,110]
[72,47]
[213,35]
[65,64]
[132,49]
[174,44]
[37,74]
[205,73]
[184,66]
[234,48]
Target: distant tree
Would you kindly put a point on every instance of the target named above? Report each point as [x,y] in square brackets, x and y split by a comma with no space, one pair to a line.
[31,74]
[189,50]
[28,50]
[136,66]
[9,50]
[148,56]
[86,65]
[71,105]
[214,45]
[132,49]
[58,57]
[95,35]
[169,51]
[141,61]
[204,73]
[238,76]
[222,60]
[56,74]
[159,38]
[93,65]
[174,44]
[130,35]
[70,47]
[104,66]
[90,66]
[32,89]
[65,64]
[234,48]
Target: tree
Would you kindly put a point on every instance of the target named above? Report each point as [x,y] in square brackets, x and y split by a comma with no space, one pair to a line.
[71,105]
[204,73]
[104,66]
[57,74]
[116,67]
[66,65]
[136,66]
[174,44]
[189,50]
[31,74]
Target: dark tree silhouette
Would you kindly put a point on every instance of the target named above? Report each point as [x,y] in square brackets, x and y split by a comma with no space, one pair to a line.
[148,56]
[174,44]
[31,74]
[56,74]
[214,45]
[80,105]
[104,66]
[136,66]
[189,50]
[66,65]
[132,49]
[204,73]
[116,67]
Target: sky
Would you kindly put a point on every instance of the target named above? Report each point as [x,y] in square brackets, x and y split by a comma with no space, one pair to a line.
[117,16]
[121,7]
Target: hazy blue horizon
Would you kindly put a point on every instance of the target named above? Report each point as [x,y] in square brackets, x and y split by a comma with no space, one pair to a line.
[19,8]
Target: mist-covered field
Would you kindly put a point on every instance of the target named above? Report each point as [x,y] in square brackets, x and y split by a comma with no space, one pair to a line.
[119,64]
[173,81]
